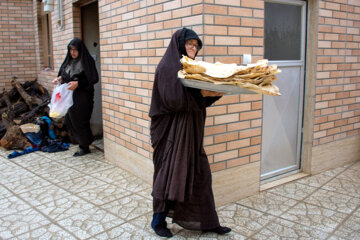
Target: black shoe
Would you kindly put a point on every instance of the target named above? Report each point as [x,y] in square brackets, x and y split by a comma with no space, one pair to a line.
[163,232]
[82,152]
[219,230]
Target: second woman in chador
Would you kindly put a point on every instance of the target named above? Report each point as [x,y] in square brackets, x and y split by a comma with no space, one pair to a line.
[79,71]
[182,177]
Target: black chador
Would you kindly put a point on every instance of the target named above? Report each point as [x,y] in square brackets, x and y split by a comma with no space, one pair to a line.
[182,177]
[83,70]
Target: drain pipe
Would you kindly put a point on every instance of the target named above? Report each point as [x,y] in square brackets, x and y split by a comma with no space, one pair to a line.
[60,15]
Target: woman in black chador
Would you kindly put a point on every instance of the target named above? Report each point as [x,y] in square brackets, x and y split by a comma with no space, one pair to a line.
[79,71]
[182,177]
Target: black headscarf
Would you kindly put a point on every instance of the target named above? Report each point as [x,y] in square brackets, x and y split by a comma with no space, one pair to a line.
[187,34]
[86,60]
[169,95]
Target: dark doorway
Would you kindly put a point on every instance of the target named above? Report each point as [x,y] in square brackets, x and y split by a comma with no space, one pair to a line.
[90,36]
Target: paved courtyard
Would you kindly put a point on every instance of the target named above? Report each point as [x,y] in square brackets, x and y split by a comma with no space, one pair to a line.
[57,196]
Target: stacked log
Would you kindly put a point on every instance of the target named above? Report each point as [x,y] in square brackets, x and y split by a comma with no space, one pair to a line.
[23,103]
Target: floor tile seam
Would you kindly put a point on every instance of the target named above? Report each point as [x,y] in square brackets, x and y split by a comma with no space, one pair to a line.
[95,208]
[340,223]
[15,161]
[40,153]
[306,203]
[338,237]
[316,189]
[257,210]
[263,227]
[54,223]
[343,221]
[323,174]
[271,193]
[331,178]
[102,206]
[352,164]
[110,229]
[36,174]
[5,196]
[62,182]
[104,209]
[48,155]
[142,215]
[347,179]
[16,195]
[58,184]
[350,167]
[72,194]
[326,208]
[34,208]
[55,170]
[74,162]
[311,227]
[88,173]
[138,193]
[51,182]
[259,230]
[23,168]
[340,193]
[27,190]
[281,217]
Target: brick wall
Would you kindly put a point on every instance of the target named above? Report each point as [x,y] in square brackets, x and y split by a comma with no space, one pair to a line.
[134,36]
[17,42]
[233,133]
[61,37]
[337,109]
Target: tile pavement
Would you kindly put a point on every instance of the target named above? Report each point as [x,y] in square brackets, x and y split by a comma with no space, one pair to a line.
[57,196]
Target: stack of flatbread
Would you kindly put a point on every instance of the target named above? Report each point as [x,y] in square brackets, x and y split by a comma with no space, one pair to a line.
[256,77]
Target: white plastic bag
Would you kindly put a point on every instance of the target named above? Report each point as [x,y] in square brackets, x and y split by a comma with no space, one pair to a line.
[61,101]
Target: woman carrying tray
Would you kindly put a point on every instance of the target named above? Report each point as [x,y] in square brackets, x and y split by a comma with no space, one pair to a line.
[182,177]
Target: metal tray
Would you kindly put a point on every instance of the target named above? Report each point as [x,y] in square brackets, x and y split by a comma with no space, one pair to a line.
[228,89]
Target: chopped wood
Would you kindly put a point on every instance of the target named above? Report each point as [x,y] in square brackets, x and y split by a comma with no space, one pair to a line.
[30,100]
[23,103]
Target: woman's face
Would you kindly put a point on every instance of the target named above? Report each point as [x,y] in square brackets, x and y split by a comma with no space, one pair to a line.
[191,47]
[74,52]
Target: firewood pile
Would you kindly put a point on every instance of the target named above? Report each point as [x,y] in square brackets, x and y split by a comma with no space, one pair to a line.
[23,103]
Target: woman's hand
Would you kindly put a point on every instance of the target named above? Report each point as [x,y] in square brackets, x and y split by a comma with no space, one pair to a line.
[57,80]
[207,93]
[73,85]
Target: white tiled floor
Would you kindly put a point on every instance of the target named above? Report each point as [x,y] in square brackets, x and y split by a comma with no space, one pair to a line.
[57,196]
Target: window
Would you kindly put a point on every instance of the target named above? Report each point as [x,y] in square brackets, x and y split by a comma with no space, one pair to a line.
[45,33]
[282,31]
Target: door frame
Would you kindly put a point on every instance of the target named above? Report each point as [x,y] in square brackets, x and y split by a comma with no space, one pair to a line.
[276,174]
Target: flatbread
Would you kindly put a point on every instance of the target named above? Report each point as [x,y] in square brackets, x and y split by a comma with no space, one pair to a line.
[256,77]
[216,70]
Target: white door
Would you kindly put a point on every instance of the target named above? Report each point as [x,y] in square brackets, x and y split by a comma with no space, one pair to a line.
[285,22]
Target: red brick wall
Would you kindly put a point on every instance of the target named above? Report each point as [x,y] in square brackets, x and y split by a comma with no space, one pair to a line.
[134,36]
[337,110]
[61,37]
[17,42]
[233,134]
